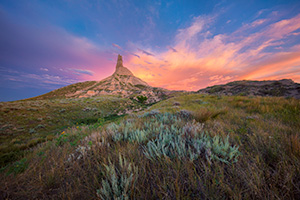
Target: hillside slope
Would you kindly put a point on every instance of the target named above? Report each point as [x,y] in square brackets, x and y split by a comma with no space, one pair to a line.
[122,83]
[284,87]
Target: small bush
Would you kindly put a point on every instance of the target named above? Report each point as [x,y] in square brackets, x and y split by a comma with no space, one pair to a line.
[221,150]
[142,99]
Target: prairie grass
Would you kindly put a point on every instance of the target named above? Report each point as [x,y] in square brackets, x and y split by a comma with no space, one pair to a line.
[27,123]
[113,159]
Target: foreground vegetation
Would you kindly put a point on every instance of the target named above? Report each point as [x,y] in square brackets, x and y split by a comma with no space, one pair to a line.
[187,147]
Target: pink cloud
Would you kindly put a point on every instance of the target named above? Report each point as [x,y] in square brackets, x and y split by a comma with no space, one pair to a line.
[117,46]
[201,60]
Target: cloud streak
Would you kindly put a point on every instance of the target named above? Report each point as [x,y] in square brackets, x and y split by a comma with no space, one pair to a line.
[83,71]
[117,46]
[145,52]
[13,78]
[44,69]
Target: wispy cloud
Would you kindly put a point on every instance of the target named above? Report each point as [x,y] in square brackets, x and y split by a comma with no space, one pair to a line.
[134,54]
[44,69]
[117,46]
[125,51]
[47,78]
[201,59]
[258,22]
[260,12]
[145,52]
[34,80]
[83,71]
[172,49]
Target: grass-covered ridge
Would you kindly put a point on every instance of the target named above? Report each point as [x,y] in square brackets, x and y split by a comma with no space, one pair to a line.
[187,147]
[25,124]
[62,92]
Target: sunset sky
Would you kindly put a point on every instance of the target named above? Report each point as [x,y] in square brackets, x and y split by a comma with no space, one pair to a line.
[180,45]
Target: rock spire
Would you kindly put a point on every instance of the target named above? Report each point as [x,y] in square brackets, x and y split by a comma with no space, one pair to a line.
[119,62]
[120,69]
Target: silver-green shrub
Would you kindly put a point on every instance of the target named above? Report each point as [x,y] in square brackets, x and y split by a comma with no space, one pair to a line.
[127,132]
[130,131]
[190,147]
[118,179]
[222,151]
[173,136]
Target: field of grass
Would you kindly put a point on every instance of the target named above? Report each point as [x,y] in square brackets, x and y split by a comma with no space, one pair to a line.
[24,124]
[188,147]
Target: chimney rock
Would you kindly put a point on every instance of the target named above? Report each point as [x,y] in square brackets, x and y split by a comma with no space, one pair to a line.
[120,62]
[120,69]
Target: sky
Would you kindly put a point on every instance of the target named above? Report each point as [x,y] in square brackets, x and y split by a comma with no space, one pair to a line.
[177,45]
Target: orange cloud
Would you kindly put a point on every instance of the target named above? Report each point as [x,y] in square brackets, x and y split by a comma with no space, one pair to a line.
[197,60]
[280,64]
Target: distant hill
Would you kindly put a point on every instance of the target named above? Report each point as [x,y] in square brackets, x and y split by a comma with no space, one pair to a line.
[284,87]
[122,82]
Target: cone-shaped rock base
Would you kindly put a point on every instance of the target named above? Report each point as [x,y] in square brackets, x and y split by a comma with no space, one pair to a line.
[122,82]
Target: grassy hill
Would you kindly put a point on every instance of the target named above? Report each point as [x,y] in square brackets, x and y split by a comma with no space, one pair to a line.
[278,88]
[24,124]
[62,92]
[186,147]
